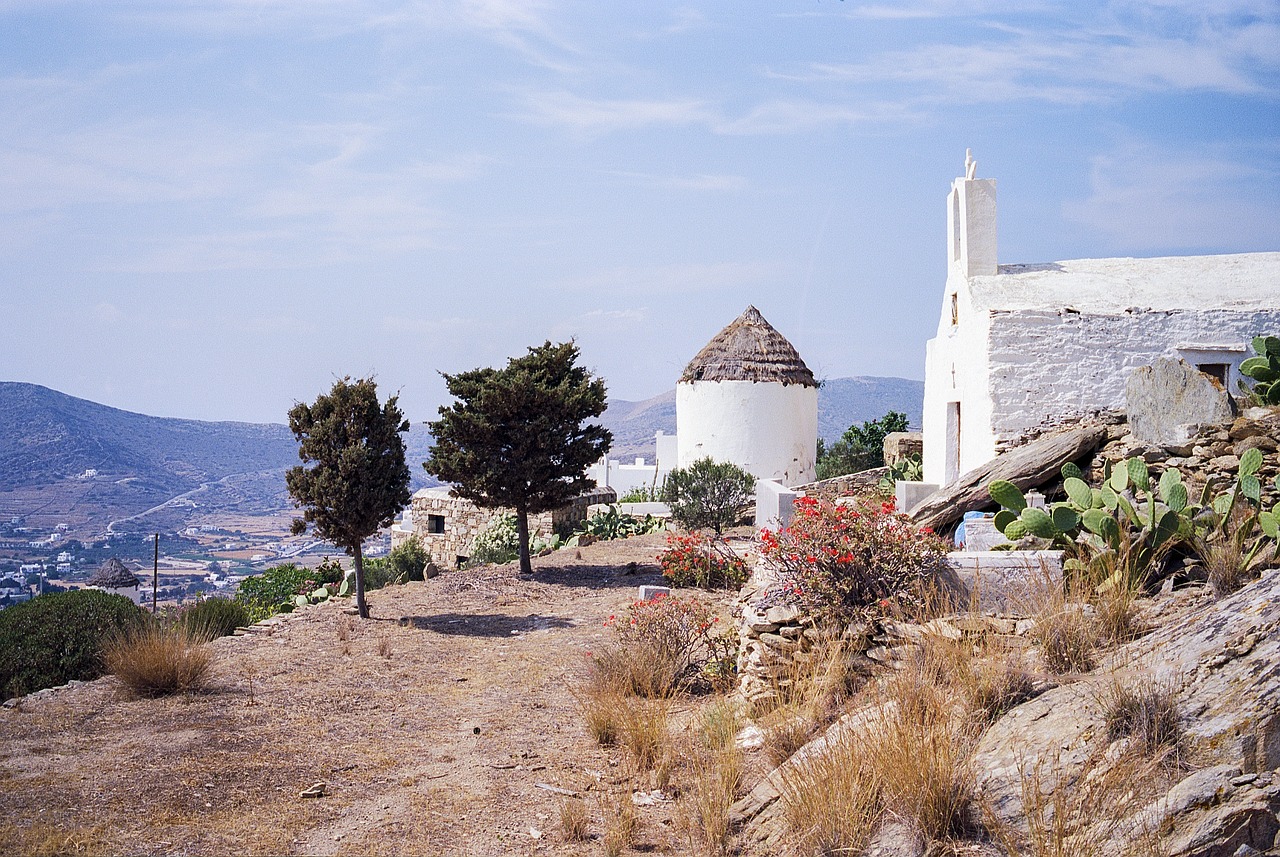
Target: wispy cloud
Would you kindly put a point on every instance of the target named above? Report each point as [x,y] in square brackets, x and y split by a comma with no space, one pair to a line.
[1143,197]
[603,115]
[677,278]
[695,182]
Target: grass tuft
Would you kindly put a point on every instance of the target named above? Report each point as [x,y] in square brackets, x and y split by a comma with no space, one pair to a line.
[154,660]
[573,820]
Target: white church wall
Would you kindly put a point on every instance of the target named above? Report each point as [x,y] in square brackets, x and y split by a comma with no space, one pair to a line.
[769,429]
[1048,365]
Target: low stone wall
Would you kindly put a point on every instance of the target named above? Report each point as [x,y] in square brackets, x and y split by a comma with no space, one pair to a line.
[774,643]
[1211,455]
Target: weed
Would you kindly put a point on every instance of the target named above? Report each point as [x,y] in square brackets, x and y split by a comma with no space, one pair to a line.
[831,800]
[344,628]
[1224,562]
[573,819]
[717,777]
[155,661]
[620,823]
[384,646]
[1146,711]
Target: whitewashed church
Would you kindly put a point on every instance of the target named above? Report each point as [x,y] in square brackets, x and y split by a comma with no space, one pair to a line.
[1022,346]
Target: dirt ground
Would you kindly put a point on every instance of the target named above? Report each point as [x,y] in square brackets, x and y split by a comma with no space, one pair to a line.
[445,725]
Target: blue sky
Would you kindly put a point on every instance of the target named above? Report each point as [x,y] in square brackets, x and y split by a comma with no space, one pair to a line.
[212,208]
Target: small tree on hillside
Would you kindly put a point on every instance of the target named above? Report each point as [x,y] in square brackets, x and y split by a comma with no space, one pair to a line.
[708,494]
[354,477]
[860,447]
[515,438]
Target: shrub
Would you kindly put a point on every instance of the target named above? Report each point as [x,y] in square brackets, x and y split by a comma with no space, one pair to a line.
[213,617]
[707,494]
[407,560]
[854,561]
[641,494]
[859,448]
[154,660]
[274,589]
[697,560]
[53,639]
[661,642]
[497,543]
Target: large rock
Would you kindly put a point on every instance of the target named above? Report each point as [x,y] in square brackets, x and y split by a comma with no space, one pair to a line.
[1223,664]
[1167,401]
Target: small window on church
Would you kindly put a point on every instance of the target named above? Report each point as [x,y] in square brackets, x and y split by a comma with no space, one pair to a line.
[1218,371]
[955,309]
[435,525]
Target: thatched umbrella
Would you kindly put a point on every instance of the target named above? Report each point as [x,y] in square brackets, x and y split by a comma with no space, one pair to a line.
[113,574]
[749,349]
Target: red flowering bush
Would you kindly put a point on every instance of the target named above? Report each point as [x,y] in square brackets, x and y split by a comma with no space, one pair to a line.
[702,561]
[854,560]
[664,642]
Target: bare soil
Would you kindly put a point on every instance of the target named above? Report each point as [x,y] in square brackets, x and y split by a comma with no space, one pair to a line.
[446,724]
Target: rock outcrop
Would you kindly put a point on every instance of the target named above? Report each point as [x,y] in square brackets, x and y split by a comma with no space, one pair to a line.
[1222,665]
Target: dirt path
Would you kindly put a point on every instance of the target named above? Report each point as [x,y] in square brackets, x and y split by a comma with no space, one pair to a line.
[436,727]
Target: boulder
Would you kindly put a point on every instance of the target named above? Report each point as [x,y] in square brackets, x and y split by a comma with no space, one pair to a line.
[1169,399]
[1223,664]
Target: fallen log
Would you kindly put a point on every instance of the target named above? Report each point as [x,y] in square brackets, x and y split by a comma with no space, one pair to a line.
[1029,466]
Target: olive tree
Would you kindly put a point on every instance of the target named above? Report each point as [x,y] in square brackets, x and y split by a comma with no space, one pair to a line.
[515,438]
[353,479]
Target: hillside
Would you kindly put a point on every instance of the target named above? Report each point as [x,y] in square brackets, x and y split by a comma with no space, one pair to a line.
[841,403]
[49,442]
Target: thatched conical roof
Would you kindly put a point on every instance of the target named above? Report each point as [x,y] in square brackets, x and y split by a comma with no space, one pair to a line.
[114,575]
[749,349]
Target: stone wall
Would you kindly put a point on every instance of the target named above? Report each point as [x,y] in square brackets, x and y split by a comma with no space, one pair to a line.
[461,521]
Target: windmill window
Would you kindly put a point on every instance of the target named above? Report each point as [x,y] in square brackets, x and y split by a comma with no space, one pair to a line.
[435,525]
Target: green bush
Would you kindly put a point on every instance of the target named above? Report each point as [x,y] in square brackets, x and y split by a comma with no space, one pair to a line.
[859,448]
[53,639]
[213,617]
[708,494]
[408,559]
[497,543]
[273,590]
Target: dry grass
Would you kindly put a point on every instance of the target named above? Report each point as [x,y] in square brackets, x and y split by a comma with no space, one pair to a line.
[716,780]
[639,670]
[573,819]
[831,801]
[620,823]
[1085,818]
[643,731]
[384,647]
[156,661]
[43,839]
[1224,562]
[809,696]
[1146,711]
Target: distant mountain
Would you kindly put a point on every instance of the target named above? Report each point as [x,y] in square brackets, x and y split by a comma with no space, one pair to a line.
[842,402]
[86,464]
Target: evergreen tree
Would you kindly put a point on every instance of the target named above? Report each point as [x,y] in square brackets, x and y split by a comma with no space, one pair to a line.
[515,437]
[354,478]
[860,447]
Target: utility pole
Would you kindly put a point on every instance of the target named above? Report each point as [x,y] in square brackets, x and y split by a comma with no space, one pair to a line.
[155,578]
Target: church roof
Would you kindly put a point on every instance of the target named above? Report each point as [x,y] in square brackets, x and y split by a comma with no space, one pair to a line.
[749,349]
[114,575]
[1243,281]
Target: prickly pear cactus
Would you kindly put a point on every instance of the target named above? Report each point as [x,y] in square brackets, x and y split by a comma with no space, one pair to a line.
[1264,369]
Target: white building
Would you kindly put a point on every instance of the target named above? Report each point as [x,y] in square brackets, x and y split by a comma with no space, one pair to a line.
[748,398]
[1022,346]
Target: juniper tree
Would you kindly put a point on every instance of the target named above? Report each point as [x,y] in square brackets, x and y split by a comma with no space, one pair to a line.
[353,478]
[515,437]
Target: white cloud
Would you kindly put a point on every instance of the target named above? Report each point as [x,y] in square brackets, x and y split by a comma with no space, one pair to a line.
[603,115]
[674,278]
[1144,198]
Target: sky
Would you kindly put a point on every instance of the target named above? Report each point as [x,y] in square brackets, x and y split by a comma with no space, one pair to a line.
[214,208]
